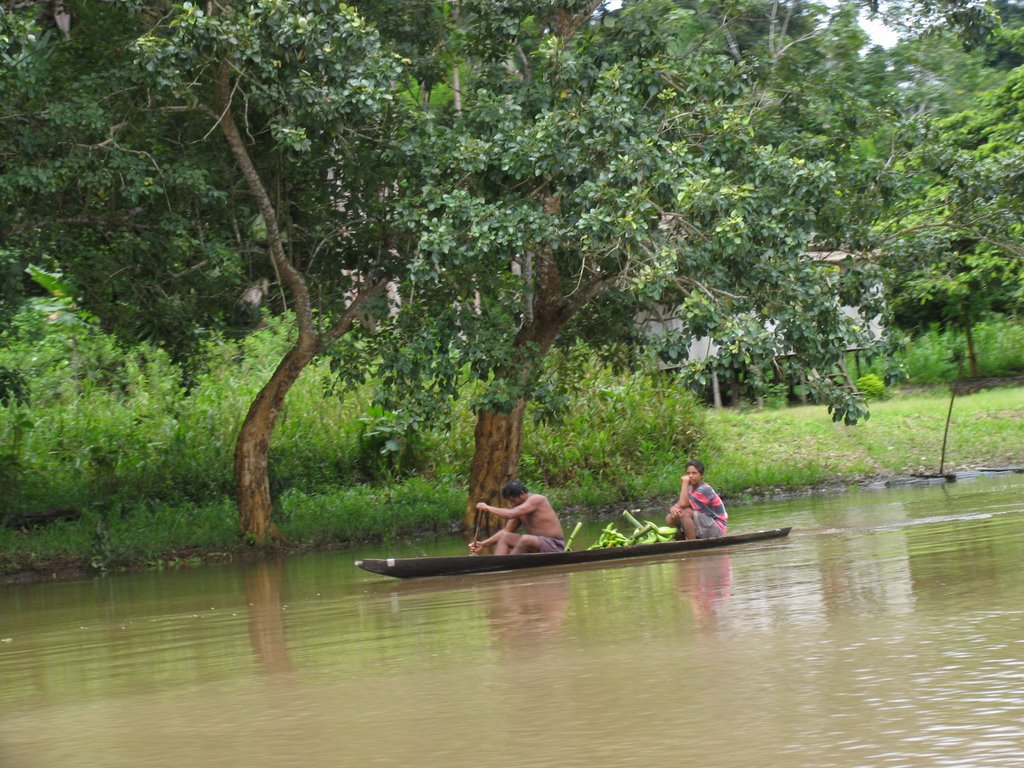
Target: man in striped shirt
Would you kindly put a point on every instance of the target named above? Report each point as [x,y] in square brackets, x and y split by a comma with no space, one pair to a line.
[699,513]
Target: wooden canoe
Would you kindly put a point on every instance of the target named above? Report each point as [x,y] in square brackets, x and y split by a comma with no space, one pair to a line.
[418,567]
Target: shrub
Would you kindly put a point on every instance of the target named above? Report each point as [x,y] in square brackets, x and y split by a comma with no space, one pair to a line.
[871,386]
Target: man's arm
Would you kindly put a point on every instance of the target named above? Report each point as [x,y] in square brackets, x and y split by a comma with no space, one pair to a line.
[511,526]
[684,494]
[513,513]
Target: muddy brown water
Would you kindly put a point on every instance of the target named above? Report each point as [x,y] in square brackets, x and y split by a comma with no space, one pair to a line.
[886,631]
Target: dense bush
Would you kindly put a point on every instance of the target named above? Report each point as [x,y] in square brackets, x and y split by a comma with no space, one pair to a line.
[113,433]
[871,386]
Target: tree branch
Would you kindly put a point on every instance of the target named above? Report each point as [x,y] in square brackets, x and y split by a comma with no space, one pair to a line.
[290,276]
[363,295]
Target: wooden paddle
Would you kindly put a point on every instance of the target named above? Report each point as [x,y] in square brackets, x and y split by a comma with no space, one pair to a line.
[476,525]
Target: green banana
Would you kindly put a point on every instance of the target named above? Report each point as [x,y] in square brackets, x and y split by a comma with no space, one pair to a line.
[645,532]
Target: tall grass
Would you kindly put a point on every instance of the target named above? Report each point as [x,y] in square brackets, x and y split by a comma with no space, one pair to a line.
[932,356]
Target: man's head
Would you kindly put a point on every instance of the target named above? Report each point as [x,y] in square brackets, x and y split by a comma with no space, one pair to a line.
[695,470]
[513,489]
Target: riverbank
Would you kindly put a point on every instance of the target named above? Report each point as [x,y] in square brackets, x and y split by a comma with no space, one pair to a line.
[760,453]
[750,455]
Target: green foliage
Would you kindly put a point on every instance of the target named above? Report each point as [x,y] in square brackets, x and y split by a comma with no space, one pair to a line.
[13,388]
[655,153]
[108,430]
[387,447]
[102,176]
[638,160]
[612,427]
[935,356]
[776,396]
[343,516]
[871,386]
[955,251]
[109,424]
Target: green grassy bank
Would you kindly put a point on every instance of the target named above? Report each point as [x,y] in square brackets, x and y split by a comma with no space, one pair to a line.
[761,452]
[748,453]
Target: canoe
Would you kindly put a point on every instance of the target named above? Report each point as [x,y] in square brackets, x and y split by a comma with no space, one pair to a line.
[419,567]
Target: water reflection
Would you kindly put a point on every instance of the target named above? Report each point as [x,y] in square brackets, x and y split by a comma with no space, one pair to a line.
[266,615]
[706,582]
[522,612]
[885,632]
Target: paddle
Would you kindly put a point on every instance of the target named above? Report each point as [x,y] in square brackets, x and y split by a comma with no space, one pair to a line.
[476,525]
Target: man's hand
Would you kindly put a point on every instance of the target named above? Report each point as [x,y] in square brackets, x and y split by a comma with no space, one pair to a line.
[474,547]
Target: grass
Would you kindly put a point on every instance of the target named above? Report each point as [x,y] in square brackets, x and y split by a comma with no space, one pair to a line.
[934,356]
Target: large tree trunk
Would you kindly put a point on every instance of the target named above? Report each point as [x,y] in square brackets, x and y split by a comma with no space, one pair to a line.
[252,449]
[252,482]
[498,448]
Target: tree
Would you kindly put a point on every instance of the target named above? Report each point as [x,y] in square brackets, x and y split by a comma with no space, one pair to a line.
[956,244]
[597,153]
[96,184]
[310,84]
[194,137]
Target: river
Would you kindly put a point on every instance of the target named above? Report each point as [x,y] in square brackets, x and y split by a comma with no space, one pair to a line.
[886,631]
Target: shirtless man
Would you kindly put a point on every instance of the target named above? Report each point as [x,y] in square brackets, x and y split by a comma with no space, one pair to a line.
[530,510]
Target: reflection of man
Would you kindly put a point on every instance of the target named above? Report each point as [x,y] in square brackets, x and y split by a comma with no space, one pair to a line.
[530,510]
[519,615]
[707,582]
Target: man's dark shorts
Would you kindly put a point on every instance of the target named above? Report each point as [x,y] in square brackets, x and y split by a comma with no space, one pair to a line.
[550,544]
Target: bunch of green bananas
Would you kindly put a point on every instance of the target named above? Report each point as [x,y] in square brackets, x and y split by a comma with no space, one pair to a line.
[609,538]
[648,532]
[643,533]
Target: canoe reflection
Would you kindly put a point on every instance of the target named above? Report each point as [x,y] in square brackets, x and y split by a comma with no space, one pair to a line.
[707,583]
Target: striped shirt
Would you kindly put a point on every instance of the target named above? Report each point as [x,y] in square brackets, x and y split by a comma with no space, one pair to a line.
[704,499]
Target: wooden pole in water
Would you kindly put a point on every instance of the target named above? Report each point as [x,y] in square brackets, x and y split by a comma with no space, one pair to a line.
[476,527]
[945,434]
[952,394]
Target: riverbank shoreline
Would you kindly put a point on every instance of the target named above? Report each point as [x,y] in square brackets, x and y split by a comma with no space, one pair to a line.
[75,569]
[832,488]
[751,456]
